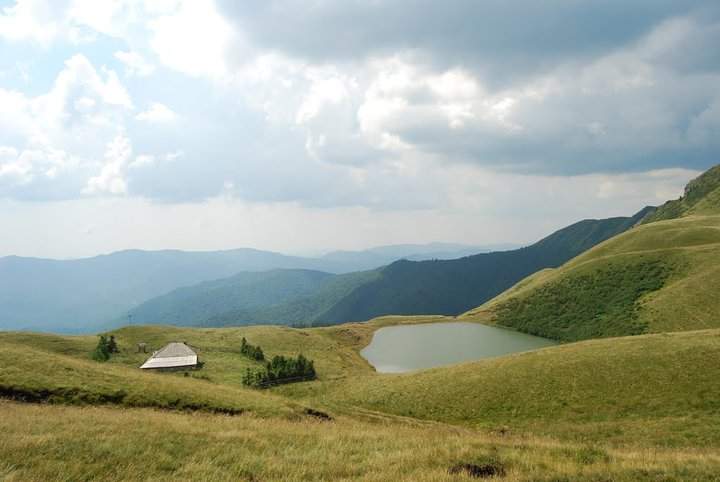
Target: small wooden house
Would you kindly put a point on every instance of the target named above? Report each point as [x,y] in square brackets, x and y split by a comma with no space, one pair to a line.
[174,356]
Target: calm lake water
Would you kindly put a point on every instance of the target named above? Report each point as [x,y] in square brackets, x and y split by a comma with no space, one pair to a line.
[396,349]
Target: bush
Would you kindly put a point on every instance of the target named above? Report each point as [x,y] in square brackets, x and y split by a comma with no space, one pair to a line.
[251,351]
[112,345]
[595,304]
[102,350]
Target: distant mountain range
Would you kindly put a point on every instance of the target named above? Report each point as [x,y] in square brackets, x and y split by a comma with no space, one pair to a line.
[382,255]
[405,287]
[92,293]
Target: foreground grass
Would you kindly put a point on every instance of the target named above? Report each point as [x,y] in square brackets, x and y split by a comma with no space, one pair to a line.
[51,443]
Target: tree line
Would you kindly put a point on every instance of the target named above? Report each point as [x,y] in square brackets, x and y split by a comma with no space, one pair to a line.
[281,370]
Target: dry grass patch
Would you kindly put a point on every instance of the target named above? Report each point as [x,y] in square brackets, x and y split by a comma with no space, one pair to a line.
[53,443]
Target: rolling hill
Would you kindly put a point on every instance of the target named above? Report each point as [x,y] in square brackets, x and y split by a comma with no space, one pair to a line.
[663,275]
[275,297]
[447,287]
[637,408]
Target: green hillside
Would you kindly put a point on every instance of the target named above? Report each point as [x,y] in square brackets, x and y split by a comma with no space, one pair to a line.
[663,275]
[701,196]
[454,286]
[40,368]
[285,297]
[447,287]
[625,409]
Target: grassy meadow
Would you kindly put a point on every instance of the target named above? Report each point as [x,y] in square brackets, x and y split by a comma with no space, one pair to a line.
[633,408]
[605,388]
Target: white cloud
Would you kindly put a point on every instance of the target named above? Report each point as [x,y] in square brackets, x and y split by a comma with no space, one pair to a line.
[157,113]
[174,156]
[79,72]
[76,21]
[143,160]
[326,88]
[57,136]
[21,167]
[135,64]
[194,39]
[109,17]
[33,20]
[80,101]
[111,179]
[10,164]
[148,160]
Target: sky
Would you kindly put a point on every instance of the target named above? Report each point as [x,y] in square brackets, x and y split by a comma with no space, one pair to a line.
[303,126]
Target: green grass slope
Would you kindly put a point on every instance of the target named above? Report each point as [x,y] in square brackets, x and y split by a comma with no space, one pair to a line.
[657,277]
[37,375]
[660,389]
[613,388]
[218,349]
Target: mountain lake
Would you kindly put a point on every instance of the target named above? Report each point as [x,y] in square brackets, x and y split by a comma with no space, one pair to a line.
[404,348]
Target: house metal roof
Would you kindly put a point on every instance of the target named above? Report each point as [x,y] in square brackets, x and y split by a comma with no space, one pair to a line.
[173,355]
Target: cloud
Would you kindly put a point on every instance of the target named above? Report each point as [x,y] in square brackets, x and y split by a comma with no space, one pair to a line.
[135,64]
[503,41]
[349,103]
[194,39]
[80,99]
[484,209]
[142,160]
[33,20]
[629,110]
[53,139]
[111,179]
[157,113]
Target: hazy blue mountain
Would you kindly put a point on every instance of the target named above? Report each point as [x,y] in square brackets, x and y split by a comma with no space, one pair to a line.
[91,293]
[383,255]
[80,295]
[272,297]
